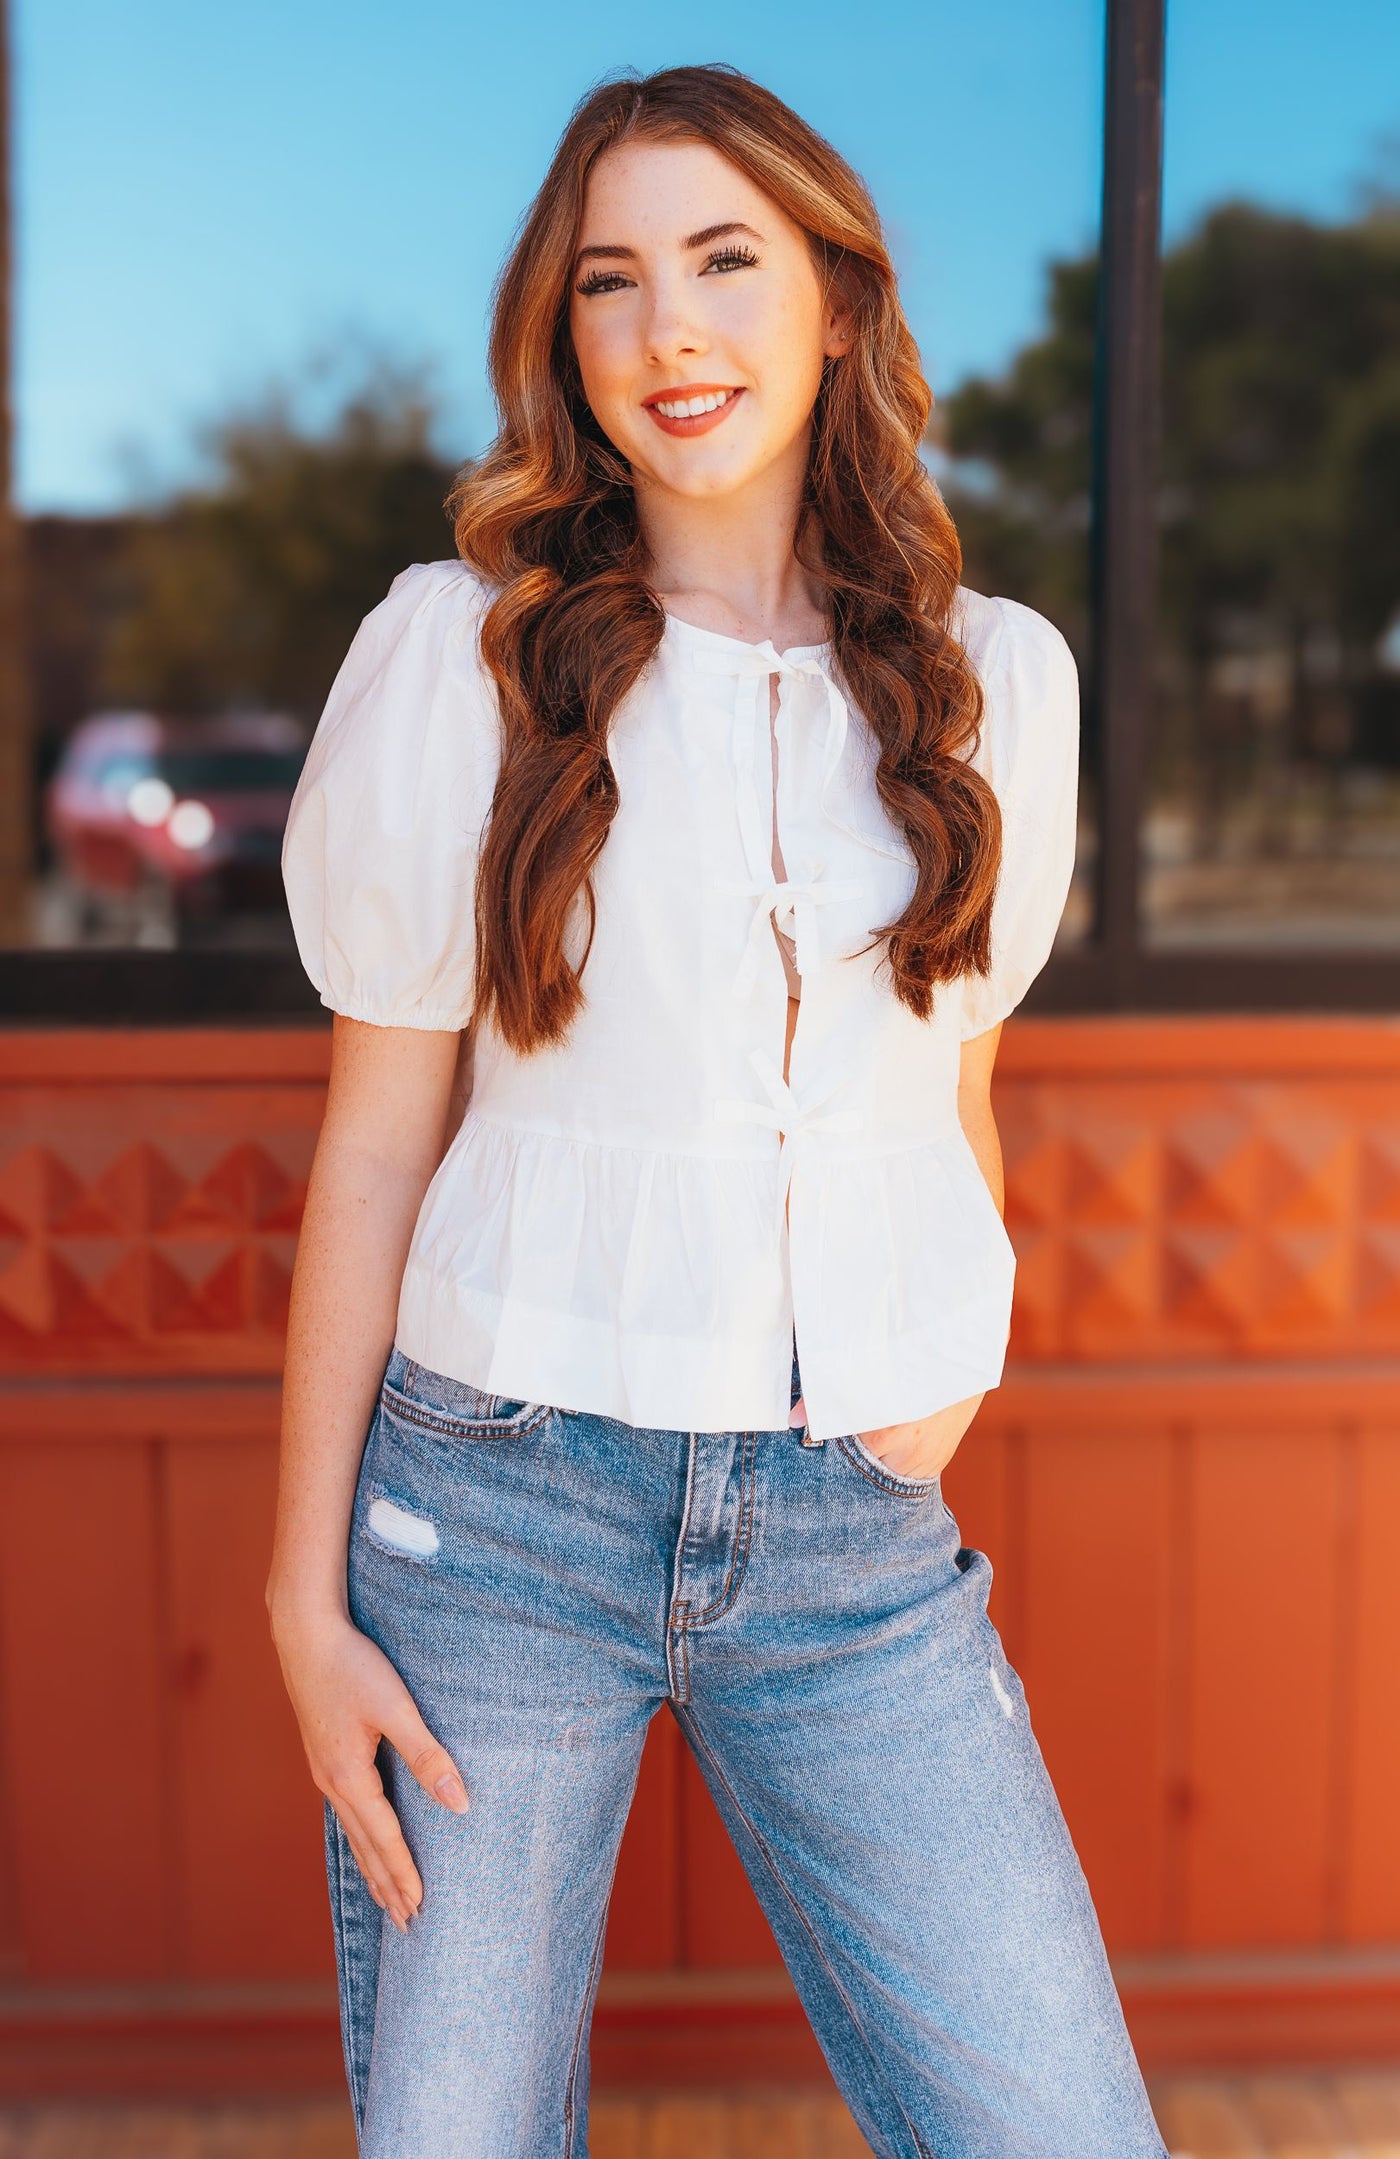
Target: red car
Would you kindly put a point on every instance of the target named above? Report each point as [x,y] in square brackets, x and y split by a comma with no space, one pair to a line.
[194,808]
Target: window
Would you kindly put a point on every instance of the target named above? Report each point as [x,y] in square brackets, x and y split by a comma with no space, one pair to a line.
[1272,811]
[1155,280]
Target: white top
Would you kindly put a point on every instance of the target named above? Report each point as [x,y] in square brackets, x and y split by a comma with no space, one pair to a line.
[634,1223]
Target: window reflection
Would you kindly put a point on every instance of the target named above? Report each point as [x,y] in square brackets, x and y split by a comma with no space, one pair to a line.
[164,637]
[1274,796]
[1015,466]
[161,830]
[182,654]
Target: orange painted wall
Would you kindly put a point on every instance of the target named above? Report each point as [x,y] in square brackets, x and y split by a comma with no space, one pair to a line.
[1189,1485]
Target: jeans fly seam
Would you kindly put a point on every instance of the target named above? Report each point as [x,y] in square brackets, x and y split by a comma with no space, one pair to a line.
[770,1862]
[677,1671]
[738,1557]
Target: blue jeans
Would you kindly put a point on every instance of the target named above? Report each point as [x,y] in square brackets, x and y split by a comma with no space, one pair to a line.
[543,1580]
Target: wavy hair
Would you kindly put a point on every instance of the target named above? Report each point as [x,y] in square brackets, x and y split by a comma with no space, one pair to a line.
[547,515]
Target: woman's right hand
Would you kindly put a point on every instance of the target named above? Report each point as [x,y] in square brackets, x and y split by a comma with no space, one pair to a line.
[347,1695]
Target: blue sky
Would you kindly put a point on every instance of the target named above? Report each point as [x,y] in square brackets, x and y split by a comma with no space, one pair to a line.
[211,198]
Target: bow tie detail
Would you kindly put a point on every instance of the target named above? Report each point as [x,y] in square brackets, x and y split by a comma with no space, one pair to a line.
[783,1113]
[753,665]
[749,667]
[791,900]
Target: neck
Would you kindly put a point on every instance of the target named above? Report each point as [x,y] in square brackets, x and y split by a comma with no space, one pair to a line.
[729,562]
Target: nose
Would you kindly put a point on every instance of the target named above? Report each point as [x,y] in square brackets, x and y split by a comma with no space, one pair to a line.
[671,327]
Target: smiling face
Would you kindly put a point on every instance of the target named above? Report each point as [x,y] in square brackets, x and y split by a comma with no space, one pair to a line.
[698,320]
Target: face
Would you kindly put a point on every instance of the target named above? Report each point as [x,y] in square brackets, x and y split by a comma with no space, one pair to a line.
[691,285]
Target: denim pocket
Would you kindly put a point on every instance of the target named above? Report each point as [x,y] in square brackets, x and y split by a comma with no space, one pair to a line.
[877,1472]
[455,1407]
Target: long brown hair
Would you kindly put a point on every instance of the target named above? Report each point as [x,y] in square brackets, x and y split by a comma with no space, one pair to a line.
[547,514]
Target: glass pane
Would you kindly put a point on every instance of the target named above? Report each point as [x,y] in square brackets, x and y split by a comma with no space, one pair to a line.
[1274,801]
[290,365]
[1010,344]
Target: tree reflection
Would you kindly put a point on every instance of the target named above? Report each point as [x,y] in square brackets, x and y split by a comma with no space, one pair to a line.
[1277,730]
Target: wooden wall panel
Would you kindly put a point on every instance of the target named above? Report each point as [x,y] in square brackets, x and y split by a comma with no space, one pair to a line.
[1189,1487]
[1262,1615]
[84,1639]
[1370,1678]
[645,1919]
[251,1851]
[1098,1579]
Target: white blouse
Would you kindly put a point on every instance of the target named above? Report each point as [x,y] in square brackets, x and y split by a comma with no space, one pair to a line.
[635,1223]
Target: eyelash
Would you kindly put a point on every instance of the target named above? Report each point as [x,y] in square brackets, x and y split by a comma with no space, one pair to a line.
[742,258]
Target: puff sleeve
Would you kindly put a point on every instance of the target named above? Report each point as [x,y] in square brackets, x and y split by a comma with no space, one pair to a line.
[1030,753]
[381,844]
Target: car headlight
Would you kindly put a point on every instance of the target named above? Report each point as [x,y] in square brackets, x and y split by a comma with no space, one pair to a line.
[191,824]
[150,801]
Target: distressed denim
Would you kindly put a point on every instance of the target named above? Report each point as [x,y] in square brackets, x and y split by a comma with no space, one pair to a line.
[544,1580]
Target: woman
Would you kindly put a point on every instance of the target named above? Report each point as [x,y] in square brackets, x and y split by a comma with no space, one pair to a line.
[701,805]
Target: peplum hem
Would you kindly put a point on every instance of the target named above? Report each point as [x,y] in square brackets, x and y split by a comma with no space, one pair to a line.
[555,1268]
[532,1353]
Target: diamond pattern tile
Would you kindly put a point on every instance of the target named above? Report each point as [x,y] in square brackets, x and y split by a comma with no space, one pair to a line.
[134,1219]
[1203,1216]
[1193,1213]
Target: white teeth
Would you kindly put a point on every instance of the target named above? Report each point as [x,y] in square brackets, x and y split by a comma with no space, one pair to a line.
[685,408]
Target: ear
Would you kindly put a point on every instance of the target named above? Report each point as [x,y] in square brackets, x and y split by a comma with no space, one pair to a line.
[840,331]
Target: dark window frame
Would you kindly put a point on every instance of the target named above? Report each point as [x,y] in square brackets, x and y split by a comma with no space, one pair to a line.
[1114,969]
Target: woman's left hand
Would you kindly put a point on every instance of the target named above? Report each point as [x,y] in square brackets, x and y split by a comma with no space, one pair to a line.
[924,1447]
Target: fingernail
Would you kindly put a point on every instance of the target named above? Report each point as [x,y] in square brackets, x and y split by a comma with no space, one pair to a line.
[452,1790]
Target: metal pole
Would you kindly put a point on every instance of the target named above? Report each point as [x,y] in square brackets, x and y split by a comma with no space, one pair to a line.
[1123,546]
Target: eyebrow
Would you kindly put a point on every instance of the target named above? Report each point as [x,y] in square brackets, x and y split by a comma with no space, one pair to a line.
[692,241]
